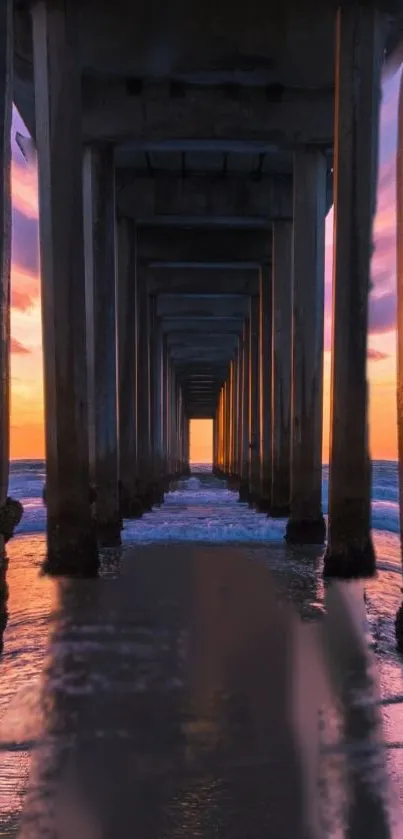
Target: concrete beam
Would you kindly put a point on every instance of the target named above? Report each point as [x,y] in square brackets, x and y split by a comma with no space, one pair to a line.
[111,113]
[204,265]
[182,245]
[214,282]
[202,306]
[196,354]
[204,196]
[203,325]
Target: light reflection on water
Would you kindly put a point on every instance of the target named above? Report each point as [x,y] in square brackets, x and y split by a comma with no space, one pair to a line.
[77,637]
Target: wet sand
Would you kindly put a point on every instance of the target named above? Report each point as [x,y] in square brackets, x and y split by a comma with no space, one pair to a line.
[192,691]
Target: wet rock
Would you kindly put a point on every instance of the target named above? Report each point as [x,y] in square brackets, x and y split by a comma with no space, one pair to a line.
[10,516]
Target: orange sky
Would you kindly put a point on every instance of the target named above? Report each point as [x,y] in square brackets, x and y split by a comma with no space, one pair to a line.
[27,438]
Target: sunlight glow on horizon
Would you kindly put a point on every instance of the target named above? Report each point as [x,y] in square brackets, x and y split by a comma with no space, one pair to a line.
[27,433]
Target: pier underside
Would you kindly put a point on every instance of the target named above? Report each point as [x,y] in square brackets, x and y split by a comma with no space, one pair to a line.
[186,164]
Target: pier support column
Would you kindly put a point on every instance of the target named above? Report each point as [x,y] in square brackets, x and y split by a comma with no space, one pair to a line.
[6,98]
[130,504]
[359,55]
[145,461]
[254,408]
[306,524]
[215,442]
[100,288]
[72,544]
[282,358]
[399,265]
[244,482]
[265,386]
[156,338]
[235,420]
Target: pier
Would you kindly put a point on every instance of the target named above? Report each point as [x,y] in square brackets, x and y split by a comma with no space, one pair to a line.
[187,157]
[186,166]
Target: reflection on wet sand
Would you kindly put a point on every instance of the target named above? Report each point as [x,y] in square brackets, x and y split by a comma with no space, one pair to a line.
[176,698]
[3,598]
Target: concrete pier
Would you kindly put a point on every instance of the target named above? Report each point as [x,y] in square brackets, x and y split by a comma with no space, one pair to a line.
[306,523]
[130,504]
[244,482]
[144,443]
[6,92]
[100,290]
[223,156]
[282,369]
[254,408]
[265,385]
[72,542]
[360,49]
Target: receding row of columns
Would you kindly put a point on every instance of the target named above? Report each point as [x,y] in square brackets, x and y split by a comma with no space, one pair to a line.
[276,459]
[116,431]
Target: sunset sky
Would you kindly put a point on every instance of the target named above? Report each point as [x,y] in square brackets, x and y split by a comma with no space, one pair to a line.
[27,438]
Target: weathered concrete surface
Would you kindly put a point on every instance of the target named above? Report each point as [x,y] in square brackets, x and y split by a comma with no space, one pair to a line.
[6,92]
[183,690]
[254,414]
[265,385]
[71,537]
[245,438]
[306,523]
[100,290]
[186,281]
[360,45]
[202,245]
[145,460]
[127,367]
[399,324]
[209,196]
[282,369]
[111,113]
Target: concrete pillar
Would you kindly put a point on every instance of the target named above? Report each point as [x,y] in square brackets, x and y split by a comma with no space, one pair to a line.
[254,406]
[164,409]
[225,427]
[6,93]
[186,441]
[156,395]
[130,505]
[282,360]
[359,54]
[214,454]
[399,261]
[220,442]
[306,523]
[265,386]
[72,545]
[399,266]
[100,289]
[169,418]
[244,482]
[235,417]
[145,459]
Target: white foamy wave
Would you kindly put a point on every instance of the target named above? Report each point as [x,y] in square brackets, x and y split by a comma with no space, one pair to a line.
[219,517]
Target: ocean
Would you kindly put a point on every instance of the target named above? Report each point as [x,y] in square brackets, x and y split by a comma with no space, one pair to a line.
[210,510]
[199,510]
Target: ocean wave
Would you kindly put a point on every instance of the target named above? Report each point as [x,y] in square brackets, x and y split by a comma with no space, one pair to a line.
[213,513]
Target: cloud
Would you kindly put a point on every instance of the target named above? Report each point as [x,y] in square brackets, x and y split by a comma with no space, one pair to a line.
[18,348]
[382,313]
[25,288]
[20,300]
[376,355]
[24,189]
[25,241]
